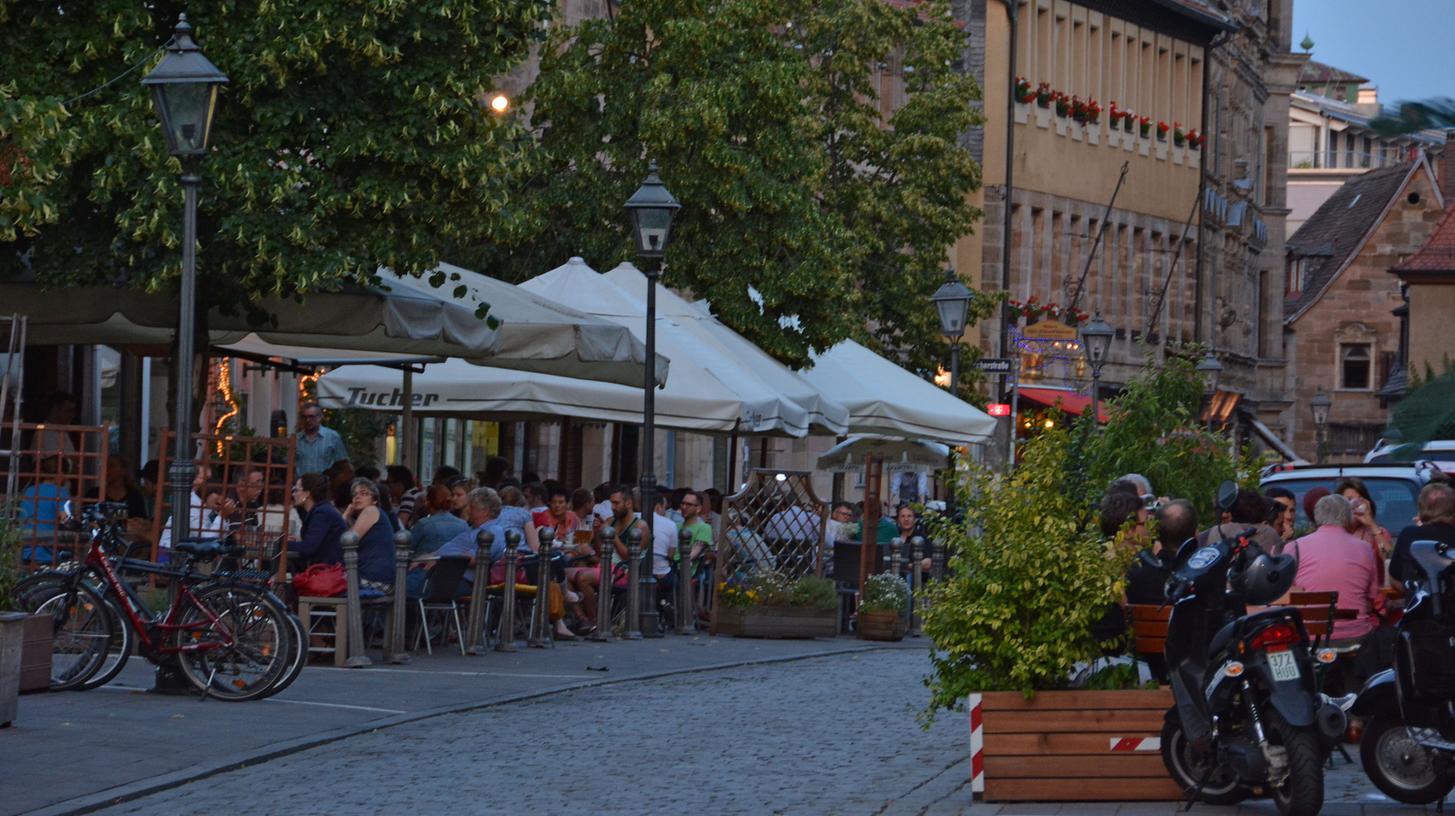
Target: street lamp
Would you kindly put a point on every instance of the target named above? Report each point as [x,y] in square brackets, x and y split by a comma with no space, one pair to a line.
[952,301]
[184,86]
[1211,369]
[652,209]
[1095,341]
[1320,405]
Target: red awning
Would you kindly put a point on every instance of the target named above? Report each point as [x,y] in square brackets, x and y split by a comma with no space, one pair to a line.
[1068,401]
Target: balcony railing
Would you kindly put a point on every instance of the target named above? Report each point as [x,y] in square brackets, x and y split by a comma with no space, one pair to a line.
[1342,159]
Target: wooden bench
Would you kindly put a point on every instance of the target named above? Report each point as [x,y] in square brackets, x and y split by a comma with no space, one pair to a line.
[1149,627]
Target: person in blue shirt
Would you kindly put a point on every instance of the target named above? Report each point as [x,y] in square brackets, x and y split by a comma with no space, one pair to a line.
[317,447]
[41,510]
[482,512]
[375,530]
[322,523]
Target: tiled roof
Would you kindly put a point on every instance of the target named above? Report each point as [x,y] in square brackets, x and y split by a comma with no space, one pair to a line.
[1317,73]
[1337,230]
[1438,253]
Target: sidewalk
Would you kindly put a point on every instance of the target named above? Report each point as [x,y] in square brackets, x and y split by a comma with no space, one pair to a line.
[75,750]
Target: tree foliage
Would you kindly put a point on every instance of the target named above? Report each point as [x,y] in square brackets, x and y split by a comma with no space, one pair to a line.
[351,135]
[808,216]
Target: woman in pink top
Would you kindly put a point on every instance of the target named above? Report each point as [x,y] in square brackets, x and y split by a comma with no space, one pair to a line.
[1362,524]
[1332,560]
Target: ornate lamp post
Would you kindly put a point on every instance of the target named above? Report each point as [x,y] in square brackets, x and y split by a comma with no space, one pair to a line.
[1320,405]
[952,301]
[184,86]
[1211,369]
[652,209]
[1095,342]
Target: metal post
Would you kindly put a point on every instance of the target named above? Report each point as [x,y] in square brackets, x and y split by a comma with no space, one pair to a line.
[399,621]
[182,470]
[357,657]
[937,559]
[633,587]
[686,616]
[603,585]
[540,635]
[896,556]
[1011,12]
[406,427]
[645,600]
[483,540]
[1095,394]
[505,634]
[917,577]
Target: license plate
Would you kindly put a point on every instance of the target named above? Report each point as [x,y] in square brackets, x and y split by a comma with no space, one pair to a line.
[1284,666]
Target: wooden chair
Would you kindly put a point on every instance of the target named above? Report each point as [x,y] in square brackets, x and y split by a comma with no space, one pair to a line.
[1318,610]
[1149,628]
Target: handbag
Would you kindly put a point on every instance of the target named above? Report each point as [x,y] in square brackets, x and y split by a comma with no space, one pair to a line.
[321,580]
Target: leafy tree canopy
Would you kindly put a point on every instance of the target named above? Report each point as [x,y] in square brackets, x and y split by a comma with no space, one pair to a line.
[809,213]
[351,135]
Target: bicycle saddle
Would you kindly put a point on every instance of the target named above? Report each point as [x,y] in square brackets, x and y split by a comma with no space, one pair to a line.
[205,548]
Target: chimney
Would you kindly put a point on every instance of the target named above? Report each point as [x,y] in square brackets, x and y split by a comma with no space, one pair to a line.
[1368,95]
[1445,168]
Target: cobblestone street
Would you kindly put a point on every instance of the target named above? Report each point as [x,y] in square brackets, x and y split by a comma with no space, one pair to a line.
[825,735]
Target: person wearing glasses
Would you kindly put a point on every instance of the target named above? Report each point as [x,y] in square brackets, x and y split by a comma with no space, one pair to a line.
[317,447]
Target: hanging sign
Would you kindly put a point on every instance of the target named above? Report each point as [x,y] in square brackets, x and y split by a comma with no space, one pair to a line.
[1049,330]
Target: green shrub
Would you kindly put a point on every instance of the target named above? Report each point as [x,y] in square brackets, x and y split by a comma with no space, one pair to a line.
[814,592]
[10,573]
[773,588]
[884,592]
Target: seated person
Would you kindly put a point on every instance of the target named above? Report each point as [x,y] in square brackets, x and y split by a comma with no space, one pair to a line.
[482,513]
[1176,524]
[1330,559]
[434,523]
[1436,523]
[1250,509]
[40,511]
[318,542]
[209,512]
[375,528]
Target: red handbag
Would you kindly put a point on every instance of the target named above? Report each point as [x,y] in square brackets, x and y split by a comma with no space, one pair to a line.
[321,581]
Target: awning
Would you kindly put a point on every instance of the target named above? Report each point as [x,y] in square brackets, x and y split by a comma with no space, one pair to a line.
[1068,401]
[1271,439]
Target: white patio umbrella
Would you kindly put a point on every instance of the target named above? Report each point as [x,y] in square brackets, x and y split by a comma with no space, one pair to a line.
[762,408]
[848,456]
[883,398]
[824,415]
[691,401]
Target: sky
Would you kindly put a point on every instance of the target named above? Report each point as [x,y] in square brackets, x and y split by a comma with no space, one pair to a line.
[1405,47]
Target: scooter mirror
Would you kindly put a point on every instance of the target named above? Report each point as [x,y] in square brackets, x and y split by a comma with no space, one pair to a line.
[1227,495]
[1150,560]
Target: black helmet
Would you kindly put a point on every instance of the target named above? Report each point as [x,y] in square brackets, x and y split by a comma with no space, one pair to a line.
[1265,578]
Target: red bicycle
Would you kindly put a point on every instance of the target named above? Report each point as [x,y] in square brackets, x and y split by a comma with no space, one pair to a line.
[233,640]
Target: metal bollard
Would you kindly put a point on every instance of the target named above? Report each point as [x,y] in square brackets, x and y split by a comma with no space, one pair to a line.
[633,585]
[483,541]
[896,555]
[357,656]
[505,629]
[937,560]
[603,586]
[685,616]
[917,577]
[540,634]
[398,621]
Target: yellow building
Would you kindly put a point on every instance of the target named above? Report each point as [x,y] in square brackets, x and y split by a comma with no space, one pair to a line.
[1191,251]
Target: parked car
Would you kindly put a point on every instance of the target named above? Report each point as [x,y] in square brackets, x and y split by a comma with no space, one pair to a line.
[1394,487]
[1439,451]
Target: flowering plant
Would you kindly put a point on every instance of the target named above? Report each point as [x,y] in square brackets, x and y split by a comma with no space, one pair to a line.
[773,588]
[885,592]
[1044,94]
[1032,311]
[1128,119]
[1086,112]
[1145,124]
[1161,131]
[1194,139]
[1023,92]
[1179,138]
[1063,103]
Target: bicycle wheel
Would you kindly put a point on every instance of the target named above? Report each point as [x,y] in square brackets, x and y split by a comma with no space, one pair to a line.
[84,631]
[238,646]
[43,585]
[297,653]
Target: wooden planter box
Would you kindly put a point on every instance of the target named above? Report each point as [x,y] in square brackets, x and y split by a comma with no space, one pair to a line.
[777,622]
[35,654]
[1070,746]
[881,626]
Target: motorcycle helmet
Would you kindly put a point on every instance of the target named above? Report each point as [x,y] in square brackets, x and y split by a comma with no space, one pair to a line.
[1265,578]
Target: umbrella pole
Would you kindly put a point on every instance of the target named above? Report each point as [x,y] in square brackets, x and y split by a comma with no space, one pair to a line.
[869,532]
[406,433]
[732,473]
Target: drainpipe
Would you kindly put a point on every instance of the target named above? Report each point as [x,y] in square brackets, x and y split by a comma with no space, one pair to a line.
[1202,175]
[1012,11]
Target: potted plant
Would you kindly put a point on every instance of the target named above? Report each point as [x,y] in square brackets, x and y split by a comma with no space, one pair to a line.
[1144,123]
[1161,131]
[1194,139]
[1030,574]
[769,604]
[12,621]
[1179,137]
[1023,91]
[1044,95]
[882,606]
[1063,104]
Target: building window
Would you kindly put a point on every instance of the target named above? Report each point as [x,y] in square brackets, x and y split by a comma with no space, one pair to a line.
[1355,367]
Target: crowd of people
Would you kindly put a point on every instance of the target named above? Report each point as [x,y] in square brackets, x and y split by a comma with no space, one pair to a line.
[1343,549]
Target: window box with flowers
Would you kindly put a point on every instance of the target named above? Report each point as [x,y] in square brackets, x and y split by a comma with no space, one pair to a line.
[1087,113]
[1161,143]
[882,607]
[1032,311]
[1044,97]
[1144,129]
[1179,142]
[1114,126]
[769,604]
[1024,95]
[1062,105]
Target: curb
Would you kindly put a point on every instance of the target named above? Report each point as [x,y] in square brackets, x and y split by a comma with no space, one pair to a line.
[120,794]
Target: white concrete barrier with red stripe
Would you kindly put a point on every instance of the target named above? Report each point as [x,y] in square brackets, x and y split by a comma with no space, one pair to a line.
[1136,743]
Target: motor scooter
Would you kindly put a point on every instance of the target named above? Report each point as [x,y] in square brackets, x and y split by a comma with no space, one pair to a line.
[1248,715]
[1408,747]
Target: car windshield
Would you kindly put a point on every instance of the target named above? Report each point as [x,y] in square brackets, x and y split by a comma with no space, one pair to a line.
[1395,500]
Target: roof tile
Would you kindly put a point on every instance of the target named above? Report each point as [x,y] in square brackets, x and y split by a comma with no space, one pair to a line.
[1438,253]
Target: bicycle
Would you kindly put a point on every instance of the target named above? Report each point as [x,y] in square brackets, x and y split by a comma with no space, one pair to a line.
[234,640]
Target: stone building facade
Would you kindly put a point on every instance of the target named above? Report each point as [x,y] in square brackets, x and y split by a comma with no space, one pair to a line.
[1343,334]
[1193,248]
